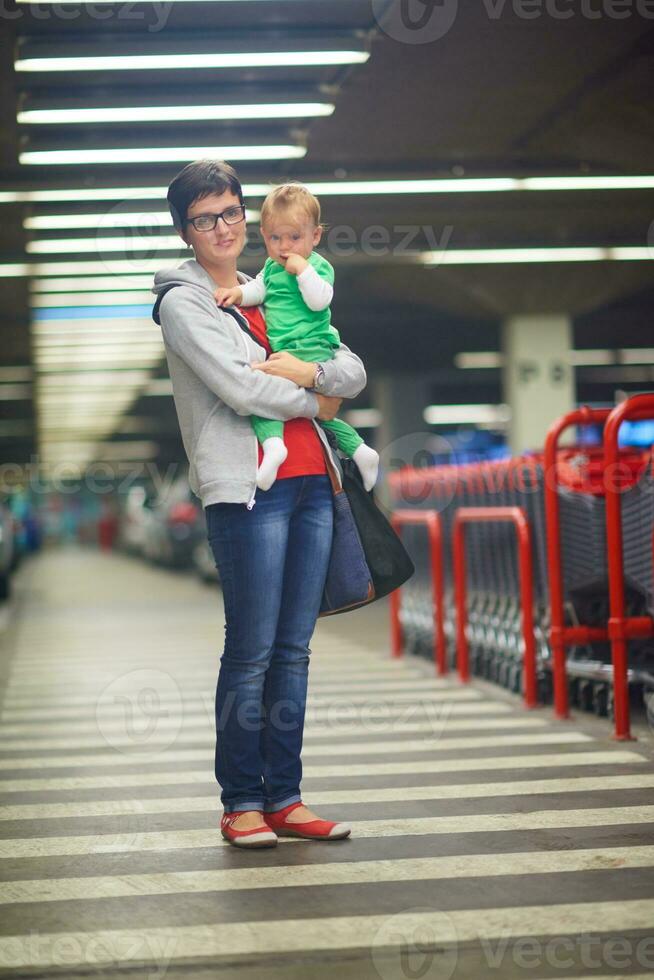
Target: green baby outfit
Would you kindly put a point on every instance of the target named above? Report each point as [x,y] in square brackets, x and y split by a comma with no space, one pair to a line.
[291,325]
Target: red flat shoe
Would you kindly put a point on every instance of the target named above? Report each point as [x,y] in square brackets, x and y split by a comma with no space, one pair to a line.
[257,837]
[311,829]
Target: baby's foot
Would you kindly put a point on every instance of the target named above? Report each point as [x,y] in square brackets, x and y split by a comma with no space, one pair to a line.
[274,454]
[368,462]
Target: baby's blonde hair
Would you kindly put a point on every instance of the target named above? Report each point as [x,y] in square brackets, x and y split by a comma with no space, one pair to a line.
[290,197]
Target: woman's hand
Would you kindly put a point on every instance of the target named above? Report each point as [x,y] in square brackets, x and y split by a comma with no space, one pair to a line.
[328,407]
[282,364]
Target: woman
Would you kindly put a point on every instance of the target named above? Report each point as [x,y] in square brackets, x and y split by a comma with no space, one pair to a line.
[271,547]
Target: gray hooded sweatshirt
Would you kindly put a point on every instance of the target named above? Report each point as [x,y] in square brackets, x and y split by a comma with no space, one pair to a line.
[215,389]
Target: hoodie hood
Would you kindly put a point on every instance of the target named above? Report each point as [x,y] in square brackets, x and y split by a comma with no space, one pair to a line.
[190,273]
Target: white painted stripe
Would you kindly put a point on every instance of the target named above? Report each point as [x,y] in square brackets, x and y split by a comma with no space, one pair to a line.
[402,697]
[137,758]
[115,735]
[168,943]
[327,770]
[448,693]
[365,707]
[508,718]
[401,794]
[316,689]
[207,667]
[346,873]
[133,841]
[205,708]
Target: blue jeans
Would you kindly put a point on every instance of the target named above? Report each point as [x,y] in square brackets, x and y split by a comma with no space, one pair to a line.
[272,562]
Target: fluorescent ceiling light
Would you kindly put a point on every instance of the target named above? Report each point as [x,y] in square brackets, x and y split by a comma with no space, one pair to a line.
[194,60]
[160,154]
[509,256]
[585,183]
[501,256]
[364,418]
[53,361]
[95,378]
[13,374]
[637,355]
[66,336]
[119,243]
[158,387]
[181,113]
[438,185]
[49,300]
[466,414]
[116,284]
[81,268]
[478,359]
[144,221]
[14,393]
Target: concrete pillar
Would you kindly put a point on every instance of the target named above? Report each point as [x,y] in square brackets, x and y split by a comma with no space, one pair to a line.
[538,381]
[402,435]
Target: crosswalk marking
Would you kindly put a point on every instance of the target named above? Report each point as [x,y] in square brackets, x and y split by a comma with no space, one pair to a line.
[117,737]
[383,737]
[137,756]
[189,804]
[615,757]
[73,703]
[505,719]
[26,847]
[169,943]
[345,873]
[204,707]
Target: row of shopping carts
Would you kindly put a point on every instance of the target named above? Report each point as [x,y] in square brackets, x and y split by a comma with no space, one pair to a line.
[519,577]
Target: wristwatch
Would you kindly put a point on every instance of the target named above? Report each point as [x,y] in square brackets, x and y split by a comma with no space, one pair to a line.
[319,377]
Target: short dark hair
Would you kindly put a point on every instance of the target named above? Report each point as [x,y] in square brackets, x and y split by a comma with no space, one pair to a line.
[197,180]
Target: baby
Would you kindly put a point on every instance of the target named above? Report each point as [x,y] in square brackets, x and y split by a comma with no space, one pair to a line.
[295,285]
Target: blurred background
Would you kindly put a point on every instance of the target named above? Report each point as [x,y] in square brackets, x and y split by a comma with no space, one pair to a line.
[486,173]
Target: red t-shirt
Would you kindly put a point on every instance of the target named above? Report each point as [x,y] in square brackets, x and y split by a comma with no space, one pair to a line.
[305,450]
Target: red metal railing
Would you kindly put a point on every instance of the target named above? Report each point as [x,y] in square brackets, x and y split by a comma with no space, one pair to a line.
[432,521]
[561,635]
[621,628]
[516,516]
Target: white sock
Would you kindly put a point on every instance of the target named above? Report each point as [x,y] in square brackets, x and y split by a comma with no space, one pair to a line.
[274,454]
[367,461]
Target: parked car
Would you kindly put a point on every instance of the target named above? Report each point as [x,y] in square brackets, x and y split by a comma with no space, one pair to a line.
[173,526]
[7,550]
[203,560]
[134,516]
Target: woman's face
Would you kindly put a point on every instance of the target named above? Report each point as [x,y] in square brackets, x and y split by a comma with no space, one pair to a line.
[226,242]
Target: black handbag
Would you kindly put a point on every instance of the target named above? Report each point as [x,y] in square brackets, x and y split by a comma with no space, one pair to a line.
[368,559]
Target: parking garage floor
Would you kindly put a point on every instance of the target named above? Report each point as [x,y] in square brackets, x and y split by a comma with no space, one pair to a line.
[487,841]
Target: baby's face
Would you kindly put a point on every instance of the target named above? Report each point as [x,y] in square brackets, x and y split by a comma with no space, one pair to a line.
[290,232]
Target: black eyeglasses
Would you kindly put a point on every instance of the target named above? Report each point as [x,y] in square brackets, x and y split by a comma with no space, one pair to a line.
[207,222]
